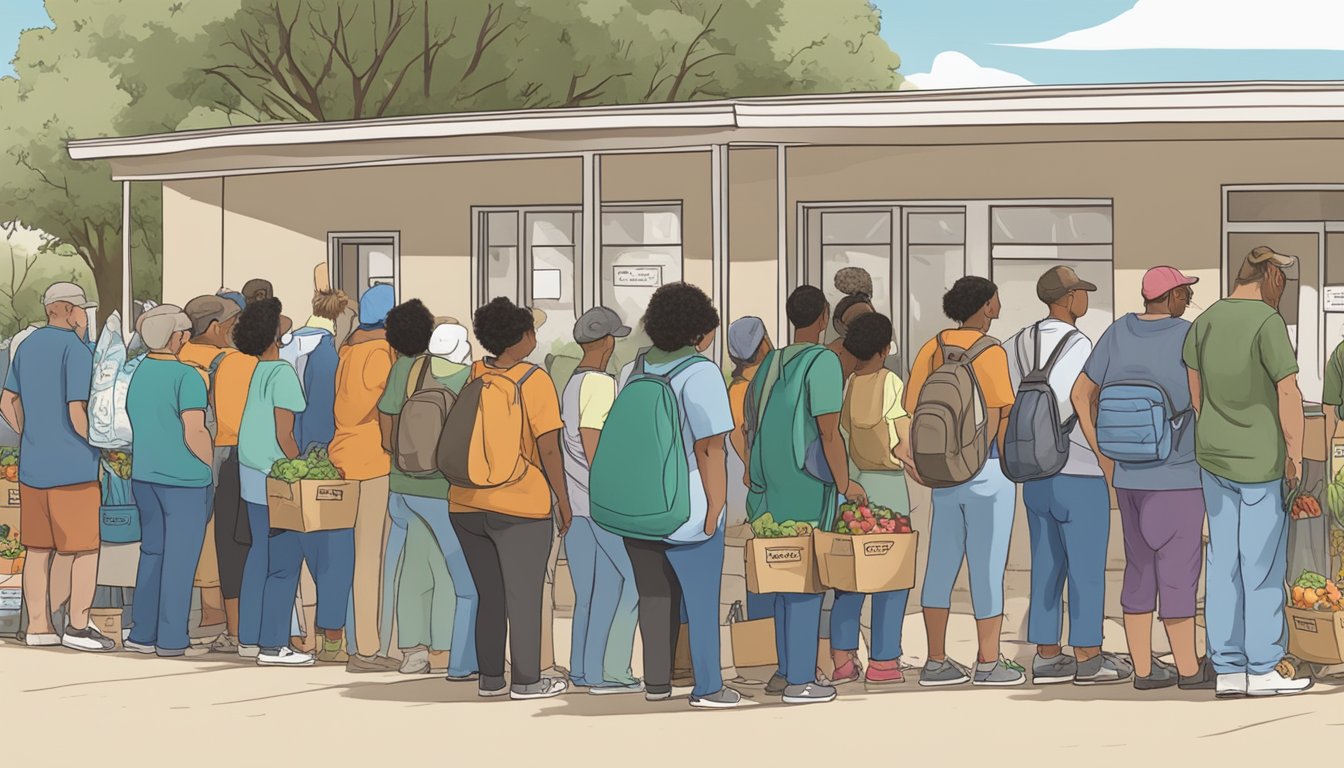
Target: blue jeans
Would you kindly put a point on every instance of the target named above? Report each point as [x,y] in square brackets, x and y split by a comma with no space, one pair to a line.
[973,521]
[399,516]
[759,606]
[1246,568]
[606,606]
[1070,520]
[172,531]
[331,560]
[254,575]
[888,621]
[797,630]
[699,570]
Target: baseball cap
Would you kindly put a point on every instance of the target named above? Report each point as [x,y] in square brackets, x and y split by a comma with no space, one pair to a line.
[744,337]
[1058,281]
[67,292]
[1160,280]
[234,296]
[204,310]
[376,303]
[158,324]
[599,323]
[1259,259]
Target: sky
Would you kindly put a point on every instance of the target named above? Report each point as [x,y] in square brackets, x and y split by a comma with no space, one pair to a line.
[970,43]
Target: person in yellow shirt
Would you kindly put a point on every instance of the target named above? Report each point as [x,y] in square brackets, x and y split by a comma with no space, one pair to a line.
[357,452]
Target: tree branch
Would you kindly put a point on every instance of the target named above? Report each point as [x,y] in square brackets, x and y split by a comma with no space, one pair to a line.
[690,49]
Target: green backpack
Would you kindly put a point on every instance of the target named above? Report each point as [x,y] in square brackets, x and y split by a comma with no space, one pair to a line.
[639,484]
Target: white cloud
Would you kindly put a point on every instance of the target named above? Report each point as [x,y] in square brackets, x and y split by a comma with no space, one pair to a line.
[1213,24]
[953,69]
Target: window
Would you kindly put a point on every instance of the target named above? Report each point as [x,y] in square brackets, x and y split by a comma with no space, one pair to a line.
[528,255]
[641,251]
[363,260]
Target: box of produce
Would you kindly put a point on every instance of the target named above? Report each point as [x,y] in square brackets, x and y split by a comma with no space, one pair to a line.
[308,494]
[11,551]
[872,550]
[1316,620]
[779,558]
[119,519]
[9,477]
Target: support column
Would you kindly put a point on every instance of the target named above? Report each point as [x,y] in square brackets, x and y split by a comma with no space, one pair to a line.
[781,335]
[125,261]
[590,260]
[718,163]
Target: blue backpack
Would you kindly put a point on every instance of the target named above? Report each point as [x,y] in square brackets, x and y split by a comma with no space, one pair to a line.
[1137,423]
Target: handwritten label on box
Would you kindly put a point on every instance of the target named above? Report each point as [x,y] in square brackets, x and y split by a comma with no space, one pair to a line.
[328,493]
[1304,625]
[781,555]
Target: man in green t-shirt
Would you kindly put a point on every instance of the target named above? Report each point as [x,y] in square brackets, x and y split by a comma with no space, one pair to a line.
[1248,442]
[411,331]
[1332,396]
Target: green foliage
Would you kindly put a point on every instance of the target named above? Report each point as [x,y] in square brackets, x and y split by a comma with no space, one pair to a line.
[315,465]
[765,527]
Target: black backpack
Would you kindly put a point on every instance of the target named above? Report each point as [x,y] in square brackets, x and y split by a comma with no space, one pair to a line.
[1036,445]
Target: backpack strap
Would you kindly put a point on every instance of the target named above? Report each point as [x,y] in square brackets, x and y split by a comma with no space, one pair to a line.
[983,344]
[1060,349]
[415,382]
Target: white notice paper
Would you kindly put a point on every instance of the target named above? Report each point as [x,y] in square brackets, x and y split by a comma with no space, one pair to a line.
[545,285]
[638,277]
[1332,298]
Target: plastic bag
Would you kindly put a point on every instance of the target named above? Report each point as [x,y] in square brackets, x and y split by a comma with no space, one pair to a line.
[113,366]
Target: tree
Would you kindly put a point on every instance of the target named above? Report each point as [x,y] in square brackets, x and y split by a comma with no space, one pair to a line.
[29,262]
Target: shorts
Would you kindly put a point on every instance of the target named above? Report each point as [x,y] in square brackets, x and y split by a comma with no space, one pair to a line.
[64,519]
[1164,550]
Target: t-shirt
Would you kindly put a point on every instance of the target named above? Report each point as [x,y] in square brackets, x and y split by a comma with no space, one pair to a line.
[1241,350]
[800,395]
[893,409]
[200,356]
[1150,351]
[737,394]
[1333,393]
[53,369]
[702,398]
[232,379]
[529,496]
[1021,349]
[361,376]
[274,385]
[585,404]
[991,369]
[161,390]
[433,486]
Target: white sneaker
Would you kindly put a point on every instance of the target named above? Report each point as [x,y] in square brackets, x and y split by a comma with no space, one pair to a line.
[542,689]
[41,641]
[248,651]
[88,639]
[1231,686]
[135,647]
[1275,684]
[285,657]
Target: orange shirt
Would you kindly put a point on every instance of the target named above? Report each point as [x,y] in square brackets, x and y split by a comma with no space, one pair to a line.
[991,369]
[233,378]
[530,496]
[361,376]
[200,356]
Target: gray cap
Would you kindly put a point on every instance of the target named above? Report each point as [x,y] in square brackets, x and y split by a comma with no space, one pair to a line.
[744,337]
[204,310]
[599,323]
[67,292]
[157,325]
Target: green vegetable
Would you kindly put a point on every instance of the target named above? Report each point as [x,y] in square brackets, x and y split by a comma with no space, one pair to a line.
[1310,580]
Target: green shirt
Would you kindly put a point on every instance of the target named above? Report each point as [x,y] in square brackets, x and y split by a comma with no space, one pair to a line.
[275,385]
[1333,394]
[161,390]
[788,427]
[450,375]
[1241,351]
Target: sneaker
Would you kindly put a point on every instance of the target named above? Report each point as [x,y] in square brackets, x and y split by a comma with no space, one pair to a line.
[1275,684]
[884,673]
[1000,674]
[776,685]
[360,664]
[1060,668]
[248,651]
[222,644]
[1231,686]
[657,695]
[284,657]
[1103,669]
[724,698]
[1162,675]
[544,688]
[850,671]
[1203,680]
[193,652]
[87,639]
[415,663]
[135,647]
[332,652]
[607,689]
[491,693]
[942,673]
[41,640]
[467,678]
[809,693]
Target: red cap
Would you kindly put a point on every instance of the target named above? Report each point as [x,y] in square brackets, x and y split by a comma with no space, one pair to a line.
[1160,280]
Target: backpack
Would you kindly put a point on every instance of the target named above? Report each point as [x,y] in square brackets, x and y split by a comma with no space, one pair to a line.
[811,458]
[865,421]
[1137,423]
[1036,444]
[640,478]
[418,430]
[948,433]
[211,423]
[482,443]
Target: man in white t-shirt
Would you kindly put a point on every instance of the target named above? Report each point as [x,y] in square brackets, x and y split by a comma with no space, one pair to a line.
[1069,513]
[605,601]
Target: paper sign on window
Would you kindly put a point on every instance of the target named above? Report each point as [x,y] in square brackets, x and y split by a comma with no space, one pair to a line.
[1332,298]
[638,277]
[545,285]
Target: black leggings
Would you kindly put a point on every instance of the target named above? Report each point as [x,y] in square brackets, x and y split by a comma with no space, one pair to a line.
[659,610]
[229,510]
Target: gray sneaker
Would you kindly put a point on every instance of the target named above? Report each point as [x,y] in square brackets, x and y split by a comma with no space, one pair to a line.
[607,689]
[1163,675]
[776,685]
[544,688]
[1103,669]
[1004,673]
[809,693]
[724,698]
[1060,668]
[87,639]
[946,672]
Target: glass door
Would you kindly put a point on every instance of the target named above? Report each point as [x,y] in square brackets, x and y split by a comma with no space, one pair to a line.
[530,256]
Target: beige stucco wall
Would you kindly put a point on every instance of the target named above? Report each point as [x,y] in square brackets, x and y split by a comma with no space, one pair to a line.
[193,259]
[670,178]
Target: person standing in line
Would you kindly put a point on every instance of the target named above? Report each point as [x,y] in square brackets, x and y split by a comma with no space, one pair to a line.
[1248,442]
[257,289]
[748,344]
[605,599]
[46,401]
[876,428]
[1161,502]
[972,520]
[800,417]
[357,452]
[171,478]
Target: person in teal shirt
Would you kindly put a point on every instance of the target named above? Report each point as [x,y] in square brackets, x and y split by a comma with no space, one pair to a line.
[797,463]
[171,479]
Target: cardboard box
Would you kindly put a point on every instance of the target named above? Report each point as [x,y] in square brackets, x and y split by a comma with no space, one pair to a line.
[754,643]
[681,656]
[782,565]
[871,563]
[9,494]
[312,505]
[10,516]
[1316,636]
[1337,452]
[1314,438]
[108,621]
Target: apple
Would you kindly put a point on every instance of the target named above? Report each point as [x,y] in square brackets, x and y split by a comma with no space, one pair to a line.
[866,525]
[865,511]
[847,516]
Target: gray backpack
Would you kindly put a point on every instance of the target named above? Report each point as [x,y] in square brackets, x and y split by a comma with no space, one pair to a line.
[1036,443]
[419,426]
[948,433]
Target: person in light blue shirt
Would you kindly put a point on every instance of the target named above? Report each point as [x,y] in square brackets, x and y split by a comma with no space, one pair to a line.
[171,478]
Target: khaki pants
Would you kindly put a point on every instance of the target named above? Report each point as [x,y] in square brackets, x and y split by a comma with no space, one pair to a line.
[370,533]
